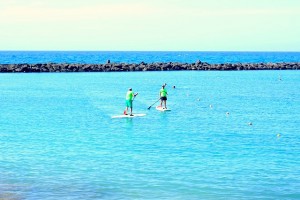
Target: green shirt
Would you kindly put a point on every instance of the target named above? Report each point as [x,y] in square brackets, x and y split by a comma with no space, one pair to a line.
[129,95]
[163,92]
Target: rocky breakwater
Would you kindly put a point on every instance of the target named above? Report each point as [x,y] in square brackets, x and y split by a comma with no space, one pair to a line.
[124,67]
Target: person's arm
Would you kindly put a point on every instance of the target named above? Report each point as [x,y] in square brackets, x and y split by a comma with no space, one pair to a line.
[134,95]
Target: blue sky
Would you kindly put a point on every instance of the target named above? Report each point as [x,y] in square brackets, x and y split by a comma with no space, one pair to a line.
[190,25]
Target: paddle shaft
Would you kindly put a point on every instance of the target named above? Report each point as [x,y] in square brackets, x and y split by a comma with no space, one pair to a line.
[153,103]
[135,95]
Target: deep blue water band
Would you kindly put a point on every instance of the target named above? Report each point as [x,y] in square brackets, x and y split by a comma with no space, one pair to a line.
[93,57]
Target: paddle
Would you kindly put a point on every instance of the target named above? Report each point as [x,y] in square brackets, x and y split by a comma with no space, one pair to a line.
[153,104]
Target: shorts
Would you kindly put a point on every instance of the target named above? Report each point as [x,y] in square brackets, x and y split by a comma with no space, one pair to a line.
[129,103]
[163,98]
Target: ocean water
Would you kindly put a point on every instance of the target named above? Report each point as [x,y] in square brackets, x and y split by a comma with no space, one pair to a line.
[8,57]
[58,140]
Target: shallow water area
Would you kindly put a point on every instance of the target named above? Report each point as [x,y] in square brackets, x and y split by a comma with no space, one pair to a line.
[229,135]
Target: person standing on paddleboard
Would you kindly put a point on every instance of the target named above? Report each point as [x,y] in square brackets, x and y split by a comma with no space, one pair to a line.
[163,96]
[129,99]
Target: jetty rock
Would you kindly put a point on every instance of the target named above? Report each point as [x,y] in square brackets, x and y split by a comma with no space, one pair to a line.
[129,67]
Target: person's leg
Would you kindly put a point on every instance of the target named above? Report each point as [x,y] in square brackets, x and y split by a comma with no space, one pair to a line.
[130,110]
[130,107]
[165,104]
[126,108]
[126,111]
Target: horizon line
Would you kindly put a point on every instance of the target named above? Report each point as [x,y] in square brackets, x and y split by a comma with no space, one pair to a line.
[246,51]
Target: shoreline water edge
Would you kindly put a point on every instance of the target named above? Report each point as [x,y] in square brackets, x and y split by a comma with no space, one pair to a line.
[159,66]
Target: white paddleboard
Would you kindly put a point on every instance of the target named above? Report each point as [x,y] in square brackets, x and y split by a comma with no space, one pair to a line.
[162,109]
[128,116]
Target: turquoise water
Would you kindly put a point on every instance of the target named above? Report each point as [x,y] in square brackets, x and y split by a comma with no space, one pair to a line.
[58,141]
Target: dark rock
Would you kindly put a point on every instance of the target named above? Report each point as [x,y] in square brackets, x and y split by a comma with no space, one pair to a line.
[198,62]
[108,67]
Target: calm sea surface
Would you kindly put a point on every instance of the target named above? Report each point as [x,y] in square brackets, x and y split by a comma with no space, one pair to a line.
[58,140]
